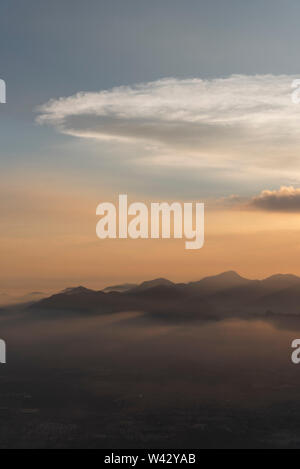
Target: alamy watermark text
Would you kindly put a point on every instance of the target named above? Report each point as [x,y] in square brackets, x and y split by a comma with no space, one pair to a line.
[2,352]
[2,92]
[158,221]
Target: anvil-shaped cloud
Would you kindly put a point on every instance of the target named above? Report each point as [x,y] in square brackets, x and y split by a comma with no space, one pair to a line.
[247,122]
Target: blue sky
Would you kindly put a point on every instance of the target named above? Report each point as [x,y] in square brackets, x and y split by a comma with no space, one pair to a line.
[57,48]
[50,49]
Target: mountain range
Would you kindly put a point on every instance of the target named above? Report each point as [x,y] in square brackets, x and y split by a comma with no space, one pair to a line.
[224,295]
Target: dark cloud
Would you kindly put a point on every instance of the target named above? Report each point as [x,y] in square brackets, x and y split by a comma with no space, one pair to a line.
[286,199]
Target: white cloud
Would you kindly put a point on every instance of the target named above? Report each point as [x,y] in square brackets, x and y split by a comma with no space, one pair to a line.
[244,122]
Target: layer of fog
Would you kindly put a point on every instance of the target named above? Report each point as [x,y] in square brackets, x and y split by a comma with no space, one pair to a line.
[150,364]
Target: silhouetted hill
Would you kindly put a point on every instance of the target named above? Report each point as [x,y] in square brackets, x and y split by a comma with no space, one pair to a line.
[158,282]
[76,291]
[157,292]
[120,288]
[215,297]
[75,299]
[279,282]
[213,284]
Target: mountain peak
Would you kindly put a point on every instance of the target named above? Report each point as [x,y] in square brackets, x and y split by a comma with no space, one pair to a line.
[120,288]
[283,276]
[229,274]
[281,281]
[158,282]
[219,282]
[76,290]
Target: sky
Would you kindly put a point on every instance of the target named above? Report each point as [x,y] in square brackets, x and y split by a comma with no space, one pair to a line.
[163,100]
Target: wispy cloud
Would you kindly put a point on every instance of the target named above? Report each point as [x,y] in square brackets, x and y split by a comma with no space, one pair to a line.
[246,122]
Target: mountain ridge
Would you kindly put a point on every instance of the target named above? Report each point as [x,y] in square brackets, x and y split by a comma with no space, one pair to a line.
[222,295]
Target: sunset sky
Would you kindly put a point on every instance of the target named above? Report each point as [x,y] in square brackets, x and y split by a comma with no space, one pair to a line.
[163,101]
